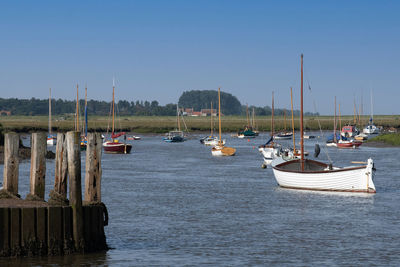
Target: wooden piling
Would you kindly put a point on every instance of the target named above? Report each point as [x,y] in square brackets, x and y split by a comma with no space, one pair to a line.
[11,163]
[38,166]
[75,190]
[93,168]
[58,196]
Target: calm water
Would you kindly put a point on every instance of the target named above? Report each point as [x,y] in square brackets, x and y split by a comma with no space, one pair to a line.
[175,204]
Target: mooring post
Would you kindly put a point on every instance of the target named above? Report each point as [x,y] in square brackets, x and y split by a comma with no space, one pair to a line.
[11,163]
[93,168]
[58,196]
[75,190]
[38,166]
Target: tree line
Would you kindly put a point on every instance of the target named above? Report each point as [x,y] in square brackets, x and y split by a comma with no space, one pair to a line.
[196,99]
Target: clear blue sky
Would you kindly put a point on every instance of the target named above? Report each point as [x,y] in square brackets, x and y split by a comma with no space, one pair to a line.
[158,49]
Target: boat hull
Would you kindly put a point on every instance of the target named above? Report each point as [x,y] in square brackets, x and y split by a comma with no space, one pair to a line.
[351,179]
[221,151]
[51,141]
[269,153]
[116,148]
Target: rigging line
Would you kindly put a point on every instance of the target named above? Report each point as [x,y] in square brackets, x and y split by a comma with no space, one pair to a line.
[184,123]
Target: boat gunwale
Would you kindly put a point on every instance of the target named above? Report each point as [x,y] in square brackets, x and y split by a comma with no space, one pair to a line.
[277,167]
[369,190]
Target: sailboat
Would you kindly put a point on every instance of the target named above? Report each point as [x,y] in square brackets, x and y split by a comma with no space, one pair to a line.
[314,175]
[270,150]
[248,129]
[220,149]
[371,128]
[113,146]
[51,139]
[85,128]
[284,134]
[211,140]
[177,135]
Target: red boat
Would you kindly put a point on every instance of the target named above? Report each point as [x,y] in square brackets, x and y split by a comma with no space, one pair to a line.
[113,146]
[348,144]
[116,147]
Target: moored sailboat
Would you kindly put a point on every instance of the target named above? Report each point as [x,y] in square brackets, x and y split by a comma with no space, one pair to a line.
[220,149]
[211,140]
[177,135]
[270,150]
[314,175]
[113,146]
[51,139]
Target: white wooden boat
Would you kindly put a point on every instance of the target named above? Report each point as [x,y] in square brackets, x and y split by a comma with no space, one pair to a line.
[314,175]
[319,176]
[269,153]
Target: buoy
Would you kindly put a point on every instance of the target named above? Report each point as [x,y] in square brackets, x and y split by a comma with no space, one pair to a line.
[263,166]
[248,140]
[254,147]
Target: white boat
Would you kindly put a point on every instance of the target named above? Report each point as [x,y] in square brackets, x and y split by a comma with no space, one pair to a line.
[220,149]
[313,175]
[212,141]
[270,150]
[371,128]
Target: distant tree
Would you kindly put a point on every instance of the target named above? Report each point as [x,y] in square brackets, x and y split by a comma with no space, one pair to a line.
[201,99]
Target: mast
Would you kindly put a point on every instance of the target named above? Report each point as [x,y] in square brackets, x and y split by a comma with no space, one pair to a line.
[372,109]
[334,125]
[219,117]
[211,119]
[77,109]
[247,116]
[254,120]
[50,112]
[340,123]
[301,118]
[272,117]
[113,123]
[284,119]
[355,120]
[291,102]
[86,126]
[177,118]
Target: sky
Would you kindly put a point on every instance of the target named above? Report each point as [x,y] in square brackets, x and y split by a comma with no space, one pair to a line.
[156,50]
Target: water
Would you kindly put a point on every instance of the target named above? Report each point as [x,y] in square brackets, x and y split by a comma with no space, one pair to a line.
[174,204]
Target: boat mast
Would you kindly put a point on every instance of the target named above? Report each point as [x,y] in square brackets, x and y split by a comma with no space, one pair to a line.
[340,123]
[301,119]
[219,117]
[113,123]
[284,120]
[291,102]
[253,125]
[50,112]
[372,109]
[77,109]
[177,118]
[247,116]
[86,126]
[334,125]
[211,119]
[355,120]
[272,117]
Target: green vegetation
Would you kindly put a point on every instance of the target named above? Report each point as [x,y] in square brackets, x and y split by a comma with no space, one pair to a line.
[390,138]
[162,124]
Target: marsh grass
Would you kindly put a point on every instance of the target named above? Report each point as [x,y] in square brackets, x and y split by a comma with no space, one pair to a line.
[389,138]
[162,124]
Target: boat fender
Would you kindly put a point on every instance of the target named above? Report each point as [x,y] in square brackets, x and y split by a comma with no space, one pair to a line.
[330,166]
[317,150]
[263,166]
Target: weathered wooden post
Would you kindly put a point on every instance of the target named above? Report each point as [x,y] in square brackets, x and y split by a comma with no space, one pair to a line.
[38,166]
[11,163]
[75,189]
[93,168]
[58,196]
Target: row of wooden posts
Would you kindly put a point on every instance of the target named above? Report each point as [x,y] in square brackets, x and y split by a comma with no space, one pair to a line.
[67,164]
